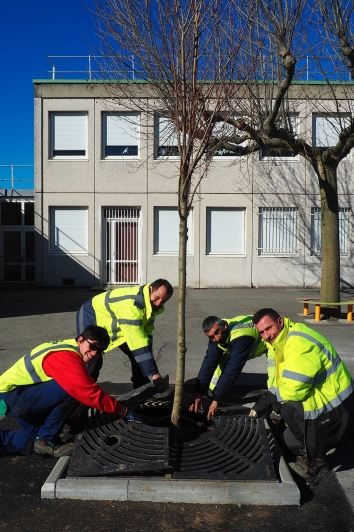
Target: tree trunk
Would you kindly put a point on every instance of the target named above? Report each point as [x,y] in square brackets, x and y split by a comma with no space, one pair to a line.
[330,275]
[181,323]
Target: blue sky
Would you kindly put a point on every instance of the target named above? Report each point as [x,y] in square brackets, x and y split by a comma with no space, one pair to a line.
[29,32]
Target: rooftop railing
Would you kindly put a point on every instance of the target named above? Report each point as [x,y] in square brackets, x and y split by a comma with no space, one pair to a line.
[16,176]
[95,67]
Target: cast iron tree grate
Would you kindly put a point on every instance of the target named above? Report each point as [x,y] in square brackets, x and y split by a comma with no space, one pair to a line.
[237,449]
[119,447]
[231,447]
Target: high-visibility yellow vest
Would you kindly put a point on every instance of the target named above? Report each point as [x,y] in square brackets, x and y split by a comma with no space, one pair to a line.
[28,369]
[238,326]
[308,369]
[127,315]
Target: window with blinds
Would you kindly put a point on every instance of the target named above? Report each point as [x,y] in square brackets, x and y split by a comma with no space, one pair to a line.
[166,231]
[121,133]
[282,154]
[69,230]
[326,129]
[225,231]
[68,135]
[277,231]
[223,129]
[166,144]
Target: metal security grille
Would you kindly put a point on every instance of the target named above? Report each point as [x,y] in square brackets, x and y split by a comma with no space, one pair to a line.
[121,229]
[316,238]
[277,231]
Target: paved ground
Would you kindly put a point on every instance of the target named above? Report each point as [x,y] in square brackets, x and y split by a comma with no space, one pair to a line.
[30,316]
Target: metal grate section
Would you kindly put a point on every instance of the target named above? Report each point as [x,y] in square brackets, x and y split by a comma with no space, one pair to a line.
[121,229]
[230,447]
[237,449]
[119,447]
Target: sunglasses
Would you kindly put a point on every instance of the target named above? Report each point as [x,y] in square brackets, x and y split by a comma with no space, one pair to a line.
[94,347]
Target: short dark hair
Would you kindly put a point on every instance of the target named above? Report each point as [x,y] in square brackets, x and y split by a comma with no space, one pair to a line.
[265,312]
[210,321]
[162,282]
[97,334]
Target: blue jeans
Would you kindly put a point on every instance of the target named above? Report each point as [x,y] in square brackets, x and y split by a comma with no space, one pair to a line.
[39,409]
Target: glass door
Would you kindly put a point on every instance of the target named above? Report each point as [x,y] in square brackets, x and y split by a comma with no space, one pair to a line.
[17,253]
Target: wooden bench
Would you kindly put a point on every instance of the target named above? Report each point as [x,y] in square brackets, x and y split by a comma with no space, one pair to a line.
[318,303]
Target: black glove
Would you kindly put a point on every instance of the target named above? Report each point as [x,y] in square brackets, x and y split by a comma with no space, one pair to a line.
[266,404]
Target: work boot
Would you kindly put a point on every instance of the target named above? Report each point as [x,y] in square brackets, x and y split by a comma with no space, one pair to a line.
[47,448]
[300,467]
[311,471]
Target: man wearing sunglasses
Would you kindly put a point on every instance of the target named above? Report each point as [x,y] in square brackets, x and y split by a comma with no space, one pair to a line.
[41,388]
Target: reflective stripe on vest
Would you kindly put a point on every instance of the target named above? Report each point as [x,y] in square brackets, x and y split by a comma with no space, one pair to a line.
[29,370]
[29,357]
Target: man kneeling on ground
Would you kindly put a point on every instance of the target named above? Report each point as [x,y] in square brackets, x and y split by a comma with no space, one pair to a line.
[309,387]
[41,387]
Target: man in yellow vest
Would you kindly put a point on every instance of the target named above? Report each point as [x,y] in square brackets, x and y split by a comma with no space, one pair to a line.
[129,314]
[312,391]
[231,343]
[41,387]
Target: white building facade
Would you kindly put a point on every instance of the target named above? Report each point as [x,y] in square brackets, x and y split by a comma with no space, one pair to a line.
[106,181]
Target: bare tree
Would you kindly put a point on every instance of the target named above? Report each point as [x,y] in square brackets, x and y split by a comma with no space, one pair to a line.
[282,34]
[188,58]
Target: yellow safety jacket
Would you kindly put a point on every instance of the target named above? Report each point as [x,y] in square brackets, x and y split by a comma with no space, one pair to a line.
[238,326]
[308,369]
[127,315]
[28,369]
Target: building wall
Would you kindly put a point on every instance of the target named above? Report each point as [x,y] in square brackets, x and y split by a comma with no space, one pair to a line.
[145,183]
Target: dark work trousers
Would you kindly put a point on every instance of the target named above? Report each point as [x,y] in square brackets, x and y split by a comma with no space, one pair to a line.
[294,435]
[137,379]
[39,409]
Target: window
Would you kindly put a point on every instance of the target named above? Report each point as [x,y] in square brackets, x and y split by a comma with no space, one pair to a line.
[225,231]
[15,212]
[223,129]
[121,135]
[166,231]
[284,154]
[68,230]
[277,231]
[326,129]
[316,237]
[68,135]
[165,137]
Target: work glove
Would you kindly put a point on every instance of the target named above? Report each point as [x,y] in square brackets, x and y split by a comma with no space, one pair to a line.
[160,384]
[266,404]
[133,416]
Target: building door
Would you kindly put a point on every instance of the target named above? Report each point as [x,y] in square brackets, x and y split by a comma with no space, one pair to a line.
[121,231]
[17,256]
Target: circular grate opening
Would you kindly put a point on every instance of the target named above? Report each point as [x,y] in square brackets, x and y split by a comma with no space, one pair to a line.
[111,440]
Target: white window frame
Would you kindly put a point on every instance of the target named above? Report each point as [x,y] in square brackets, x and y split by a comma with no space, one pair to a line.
[165,131]
[68,133]
[124,129]
[163,218]
[277,231]
[221,239]
[316,234]
[294,118]
[68,230]
[223,128]
[326,127]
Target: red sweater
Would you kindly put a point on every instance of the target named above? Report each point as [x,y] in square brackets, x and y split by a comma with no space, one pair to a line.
[70,372]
